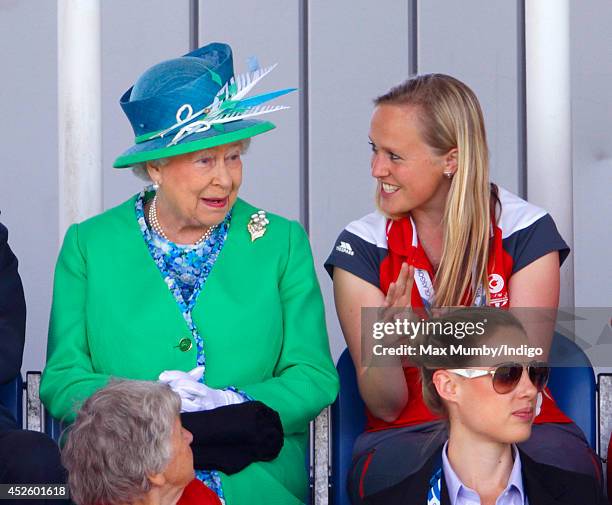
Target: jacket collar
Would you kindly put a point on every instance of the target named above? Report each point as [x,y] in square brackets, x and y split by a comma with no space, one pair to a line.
[543,485]
[540,488]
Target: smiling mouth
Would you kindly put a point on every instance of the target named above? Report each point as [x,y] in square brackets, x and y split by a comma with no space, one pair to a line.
[388,188]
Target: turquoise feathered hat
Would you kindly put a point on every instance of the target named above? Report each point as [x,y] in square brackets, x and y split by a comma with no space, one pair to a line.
[194,102]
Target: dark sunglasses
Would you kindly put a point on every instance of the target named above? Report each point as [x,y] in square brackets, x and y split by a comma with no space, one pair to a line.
[507,375]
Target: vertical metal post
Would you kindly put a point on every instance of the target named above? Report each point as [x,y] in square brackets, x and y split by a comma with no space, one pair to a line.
[321,454]
[521,100]
[413,38]
[549,135]
[304,117]
[80,111]
[194,24]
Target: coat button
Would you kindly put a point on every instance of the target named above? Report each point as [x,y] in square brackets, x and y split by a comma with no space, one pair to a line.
[185,344]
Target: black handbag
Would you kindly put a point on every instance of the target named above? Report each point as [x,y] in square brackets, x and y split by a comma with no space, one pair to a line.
[230,438]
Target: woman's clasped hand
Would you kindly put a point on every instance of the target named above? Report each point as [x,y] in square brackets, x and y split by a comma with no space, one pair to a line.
[195,395]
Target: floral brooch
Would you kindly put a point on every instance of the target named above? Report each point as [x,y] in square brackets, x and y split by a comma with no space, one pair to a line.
[257,225]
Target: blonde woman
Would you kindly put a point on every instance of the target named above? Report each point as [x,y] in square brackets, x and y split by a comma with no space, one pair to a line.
[443,235]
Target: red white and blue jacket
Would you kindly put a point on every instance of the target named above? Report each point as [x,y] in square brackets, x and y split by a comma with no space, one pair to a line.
[374,247]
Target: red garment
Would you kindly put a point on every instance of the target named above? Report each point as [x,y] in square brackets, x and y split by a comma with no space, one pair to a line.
[197,493]
[400,250]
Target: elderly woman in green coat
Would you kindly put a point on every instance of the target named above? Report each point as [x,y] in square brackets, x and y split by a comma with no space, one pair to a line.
[186,275]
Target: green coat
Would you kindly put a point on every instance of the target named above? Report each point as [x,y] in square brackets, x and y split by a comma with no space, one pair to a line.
[260,315]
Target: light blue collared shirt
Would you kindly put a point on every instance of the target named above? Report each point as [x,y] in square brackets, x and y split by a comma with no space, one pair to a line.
[460,494]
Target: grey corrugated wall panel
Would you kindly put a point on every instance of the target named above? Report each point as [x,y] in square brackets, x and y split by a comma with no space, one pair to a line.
[135,35]
[28,156]
[591,60]
[476,41]
[267,29]
[357,51]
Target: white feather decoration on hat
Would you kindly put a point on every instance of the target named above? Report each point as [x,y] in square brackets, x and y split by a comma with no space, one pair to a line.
[229,105]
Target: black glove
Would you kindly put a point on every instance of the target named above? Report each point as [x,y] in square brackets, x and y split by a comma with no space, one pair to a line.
[230,438]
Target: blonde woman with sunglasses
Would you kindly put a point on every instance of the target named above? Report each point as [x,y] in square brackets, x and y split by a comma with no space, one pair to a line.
[488,410]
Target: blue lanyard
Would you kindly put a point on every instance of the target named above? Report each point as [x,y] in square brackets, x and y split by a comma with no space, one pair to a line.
[434,495]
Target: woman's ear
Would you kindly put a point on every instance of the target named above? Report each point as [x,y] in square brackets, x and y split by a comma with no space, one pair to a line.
[157,479]
[450,162]
[154,173]
[446,385]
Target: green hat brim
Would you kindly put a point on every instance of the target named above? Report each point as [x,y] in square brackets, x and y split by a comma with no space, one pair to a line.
[148,151]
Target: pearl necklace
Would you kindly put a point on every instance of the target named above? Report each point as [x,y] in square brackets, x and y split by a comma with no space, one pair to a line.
[154,222]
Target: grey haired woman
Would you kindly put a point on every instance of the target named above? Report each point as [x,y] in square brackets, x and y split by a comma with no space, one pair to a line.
[127,446]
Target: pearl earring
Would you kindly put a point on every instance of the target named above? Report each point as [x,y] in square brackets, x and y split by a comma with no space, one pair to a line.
[155,186]
[449,175]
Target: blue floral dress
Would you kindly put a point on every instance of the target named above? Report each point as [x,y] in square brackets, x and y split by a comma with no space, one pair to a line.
[185,270]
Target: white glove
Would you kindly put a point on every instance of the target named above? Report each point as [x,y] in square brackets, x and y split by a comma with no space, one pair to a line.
[170,375]
[196,396]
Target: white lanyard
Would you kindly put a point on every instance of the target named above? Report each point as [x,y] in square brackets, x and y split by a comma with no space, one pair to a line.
[425,286]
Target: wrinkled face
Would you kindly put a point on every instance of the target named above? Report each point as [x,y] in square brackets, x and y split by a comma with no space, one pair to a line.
[504,418]
[179,471]
[410,175]
[200,188]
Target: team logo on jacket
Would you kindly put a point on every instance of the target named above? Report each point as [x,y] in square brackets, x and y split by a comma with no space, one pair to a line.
[345,248]
[496,283]
[497,290]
